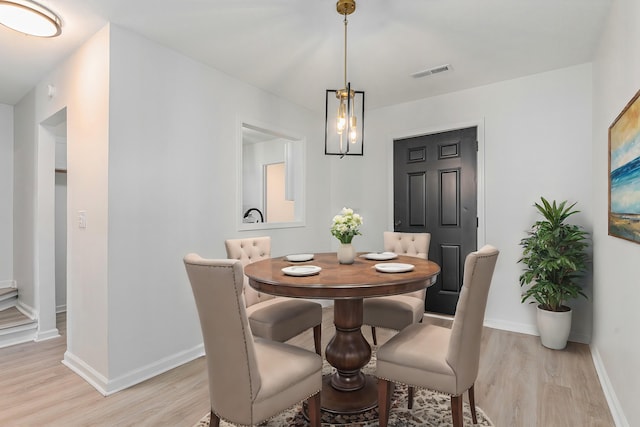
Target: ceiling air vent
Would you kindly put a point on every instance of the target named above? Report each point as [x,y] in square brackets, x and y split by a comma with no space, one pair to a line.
[430,71]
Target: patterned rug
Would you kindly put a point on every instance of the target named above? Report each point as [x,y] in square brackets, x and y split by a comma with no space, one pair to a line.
[430,409]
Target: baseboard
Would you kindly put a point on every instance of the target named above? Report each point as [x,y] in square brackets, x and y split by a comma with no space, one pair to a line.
[27,310]
[61,308]
[7,284]
[528,329]
[86,372]
[522,328]
[47,335]
[438,315]
[578,337]
[609,393]
[156,368]
[107,387]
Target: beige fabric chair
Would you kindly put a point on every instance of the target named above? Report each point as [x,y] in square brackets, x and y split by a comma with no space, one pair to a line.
[398,311]
[274,318]
[250,379]
[437,358]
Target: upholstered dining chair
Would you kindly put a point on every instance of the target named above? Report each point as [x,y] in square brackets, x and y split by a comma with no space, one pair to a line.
[437,358]
[398,311]
[251,379]
[274,318]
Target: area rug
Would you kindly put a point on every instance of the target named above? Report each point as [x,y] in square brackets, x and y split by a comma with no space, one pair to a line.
[430,409]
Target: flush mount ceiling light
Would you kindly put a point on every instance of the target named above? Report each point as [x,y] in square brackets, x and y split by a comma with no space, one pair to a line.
[344,120]
[30,18]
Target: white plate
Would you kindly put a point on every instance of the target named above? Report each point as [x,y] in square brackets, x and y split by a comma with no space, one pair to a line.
[394,267]
[299,257]
[301,270]
[381,256]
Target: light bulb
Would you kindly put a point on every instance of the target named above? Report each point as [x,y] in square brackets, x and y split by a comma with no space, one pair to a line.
[342,118]
[353,137]
[353,134]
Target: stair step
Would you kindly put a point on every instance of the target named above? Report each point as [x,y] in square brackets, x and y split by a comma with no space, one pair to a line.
[12,318]
[7,293]
[8,298]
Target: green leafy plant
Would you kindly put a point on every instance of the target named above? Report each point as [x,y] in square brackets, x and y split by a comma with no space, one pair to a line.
[555,257]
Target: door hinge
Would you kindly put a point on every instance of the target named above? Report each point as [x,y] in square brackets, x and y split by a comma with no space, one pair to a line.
[477,149]
[477,222]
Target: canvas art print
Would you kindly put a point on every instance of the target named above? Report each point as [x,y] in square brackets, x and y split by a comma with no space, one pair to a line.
[624,173]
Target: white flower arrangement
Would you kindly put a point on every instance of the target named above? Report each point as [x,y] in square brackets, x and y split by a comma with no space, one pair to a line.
[346,225]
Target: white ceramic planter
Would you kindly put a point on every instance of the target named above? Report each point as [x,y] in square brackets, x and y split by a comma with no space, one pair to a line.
[554,328]
[346,253]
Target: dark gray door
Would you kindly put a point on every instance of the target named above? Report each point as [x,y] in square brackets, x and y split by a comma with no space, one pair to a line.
[435,190]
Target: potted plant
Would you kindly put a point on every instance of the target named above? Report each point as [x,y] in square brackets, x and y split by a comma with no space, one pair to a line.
[555,259]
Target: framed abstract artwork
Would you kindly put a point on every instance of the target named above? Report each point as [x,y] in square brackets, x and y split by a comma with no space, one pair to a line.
[624,173]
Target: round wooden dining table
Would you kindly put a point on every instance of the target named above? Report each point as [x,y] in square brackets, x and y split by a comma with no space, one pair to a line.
[348,390]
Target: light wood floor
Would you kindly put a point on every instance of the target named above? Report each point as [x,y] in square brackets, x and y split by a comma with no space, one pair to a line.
[520,384]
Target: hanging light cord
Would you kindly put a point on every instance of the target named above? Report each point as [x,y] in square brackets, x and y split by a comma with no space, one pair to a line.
[345,50]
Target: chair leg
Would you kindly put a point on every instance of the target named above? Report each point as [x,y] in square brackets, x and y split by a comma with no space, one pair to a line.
[456,411]
[215,420]
[384,401]
[373,334]
[472,404]
[313,404]
[317,339]
[410,398]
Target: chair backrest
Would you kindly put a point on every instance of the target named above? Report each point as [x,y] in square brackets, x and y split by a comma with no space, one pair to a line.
[234,380]
[466,332]
[250,250]
[412,244]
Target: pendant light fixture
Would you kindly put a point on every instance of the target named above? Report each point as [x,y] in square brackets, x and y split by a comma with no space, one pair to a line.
[344,120]
[30,18]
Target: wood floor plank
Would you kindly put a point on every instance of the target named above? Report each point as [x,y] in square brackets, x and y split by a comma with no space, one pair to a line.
[510,398]
[520,384]
[553,402]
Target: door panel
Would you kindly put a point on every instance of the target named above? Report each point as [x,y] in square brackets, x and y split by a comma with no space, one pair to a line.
[435,189]
[450,259]
[449,193]
[417,194]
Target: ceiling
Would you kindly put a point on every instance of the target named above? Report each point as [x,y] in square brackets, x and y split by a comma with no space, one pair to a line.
[294,48]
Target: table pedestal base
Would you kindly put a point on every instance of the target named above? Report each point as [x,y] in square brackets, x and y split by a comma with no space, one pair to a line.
[348,402]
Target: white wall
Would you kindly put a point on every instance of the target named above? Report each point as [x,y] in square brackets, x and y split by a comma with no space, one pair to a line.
[534,141]
[61,223]
[82,87]
[6,195]
[61,242]
[174,126]
[24,190]
[616,79]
